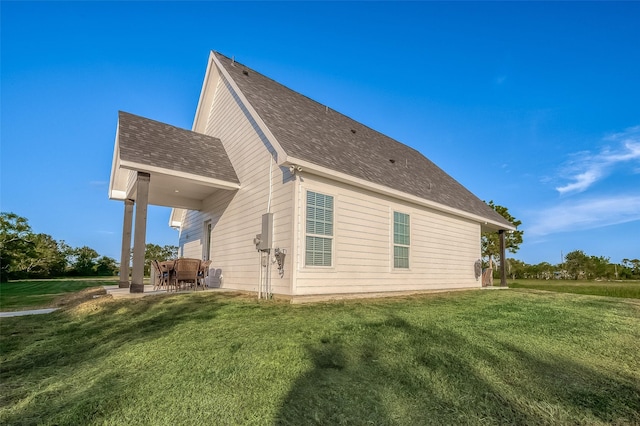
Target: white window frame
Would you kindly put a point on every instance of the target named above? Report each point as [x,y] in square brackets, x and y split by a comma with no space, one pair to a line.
[322,235]
[405,244]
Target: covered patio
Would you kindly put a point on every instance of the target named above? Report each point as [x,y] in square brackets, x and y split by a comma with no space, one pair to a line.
[118,292]
[159,164]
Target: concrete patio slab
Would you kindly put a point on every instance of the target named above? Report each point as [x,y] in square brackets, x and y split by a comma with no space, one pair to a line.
[123,293]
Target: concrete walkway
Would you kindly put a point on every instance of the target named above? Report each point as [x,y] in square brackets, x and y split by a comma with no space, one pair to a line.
[31,312]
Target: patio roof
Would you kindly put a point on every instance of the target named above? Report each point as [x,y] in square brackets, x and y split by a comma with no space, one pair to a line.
[185,167]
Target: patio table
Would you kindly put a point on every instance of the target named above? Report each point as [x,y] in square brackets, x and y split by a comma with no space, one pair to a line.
[168,270]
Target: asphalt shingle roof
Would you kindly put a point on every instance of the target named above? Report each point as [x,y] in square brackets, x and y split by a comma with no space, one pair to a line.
[310,131]
[157,144]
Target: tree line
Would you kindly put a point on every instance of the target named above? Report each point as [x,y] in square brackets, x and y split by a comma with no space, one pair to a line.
[576,265]
[25,254]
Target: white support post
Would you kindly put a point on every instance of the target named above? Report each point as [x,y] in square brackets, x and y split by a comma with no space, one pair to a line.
[125,254]
[503,261]
[139,236]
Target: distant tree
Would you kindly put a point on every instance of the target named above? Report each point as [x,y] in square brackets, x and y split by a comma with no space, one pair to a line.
[576,264]
[83,261]
[516,268]
[598,267]
[156,252]
[24,254]
[544,271]
[633,266]
[106,266]
[48,258]
[15,243]
[491,240]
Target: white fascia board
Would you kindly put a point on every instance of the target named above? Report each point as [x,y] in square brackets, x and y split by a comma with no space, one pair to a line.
[280,152]
[384,190]
[206,96]
[175,219]
[117,182]
[215,183]
[116,194]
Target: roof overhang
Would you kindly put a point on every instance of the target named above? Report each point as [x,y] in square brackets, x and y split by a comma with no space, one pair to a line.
[167,187]
[486,224]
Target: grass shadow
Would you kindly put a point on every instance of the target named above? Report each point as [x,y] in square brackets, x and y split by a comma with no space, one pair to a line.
[591,394]
[373,380]
[74,339]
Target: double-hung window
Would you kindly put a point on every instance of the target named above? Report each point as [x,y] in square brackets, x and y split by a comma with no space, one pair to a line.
[401,240]
[319,229]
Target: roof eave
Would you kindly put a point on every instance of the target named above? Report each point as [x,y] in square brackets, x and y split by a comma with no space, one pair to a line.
[486,223]
[206,96]
[117,191]
[213,182]
[175,219]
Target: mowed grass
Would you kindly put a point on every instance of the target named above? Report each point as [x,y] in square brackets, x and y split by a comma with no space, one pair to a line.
[627,289]
[477,357]
[30,294]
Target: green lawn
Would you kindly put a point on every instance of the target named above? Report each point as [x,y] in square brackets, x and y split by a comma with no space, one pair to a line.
[30,294]
[626,289]
[477,357]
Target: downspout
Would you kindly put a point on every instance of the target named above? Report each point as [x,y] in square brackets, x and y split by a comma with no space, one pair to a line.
[270,183]
[264,287]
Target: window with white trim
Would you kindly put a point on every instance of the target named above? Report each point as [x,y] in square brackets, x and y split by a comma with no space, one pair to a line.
[319,230]
[401,240]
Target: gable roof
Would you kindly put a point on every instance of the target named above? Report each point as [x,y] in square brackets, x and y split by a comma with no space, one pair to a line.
[159,145]
[185,167]
[314,133]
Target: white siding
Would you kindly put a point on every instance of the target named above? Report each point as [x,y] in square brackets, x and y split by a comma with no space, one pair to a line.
[442,252]
[443,247]
[236,215]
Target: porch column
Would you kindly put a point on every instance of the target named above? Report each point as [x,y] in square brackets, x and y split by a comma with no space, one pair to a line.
[125,254]
[503,261]
[139,236]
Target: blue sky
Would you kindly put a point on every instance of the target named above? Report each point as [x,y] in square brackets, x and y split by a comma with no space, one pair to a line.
[532,105]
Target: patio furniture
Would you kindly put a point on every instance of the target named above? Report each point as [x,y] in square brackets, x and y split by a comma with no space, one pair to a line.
[159,281]
[186,272]
[203,273]
[167,270]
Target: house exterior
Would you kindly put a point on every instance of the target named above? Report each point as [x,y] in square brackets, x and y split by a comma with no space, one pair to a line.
[340,208]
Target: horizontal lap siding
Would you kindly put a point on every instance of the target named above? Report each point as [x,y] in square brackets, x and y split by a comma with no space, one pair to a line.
[237,215]
[443,248]
[357,248]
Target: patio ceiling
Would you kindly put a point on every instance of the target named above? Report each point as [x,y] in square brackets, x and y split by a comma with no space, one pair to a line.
[185,167]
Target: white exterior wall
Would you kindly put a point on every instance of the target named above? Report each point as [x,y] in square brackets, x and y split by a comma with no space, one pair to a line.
[236,216]
[443,247]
